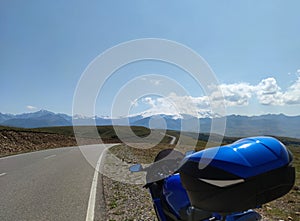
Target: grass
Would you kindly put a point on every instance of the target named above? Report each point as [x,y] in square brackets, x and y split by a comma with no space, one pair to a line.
[103,131]
[84,131]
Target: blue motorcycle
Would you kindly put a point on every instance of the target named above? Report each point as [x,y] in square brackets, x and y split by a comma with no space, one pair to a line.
[220,183]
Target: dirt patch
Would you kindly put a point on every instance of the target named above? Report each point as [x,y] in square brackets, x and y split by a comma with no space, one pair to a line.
[14,142]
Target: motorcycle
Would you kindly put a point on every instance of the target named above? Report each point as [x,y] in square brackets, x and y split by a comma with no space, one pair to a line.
[221,183]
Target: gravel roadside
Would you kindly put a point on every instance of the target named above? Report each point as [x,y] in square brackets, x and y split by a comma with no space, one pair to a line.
[132,202]
[127,201]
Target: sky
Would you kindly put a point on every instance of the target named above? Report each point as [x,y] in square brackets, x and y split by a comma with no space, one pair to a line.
[252,47]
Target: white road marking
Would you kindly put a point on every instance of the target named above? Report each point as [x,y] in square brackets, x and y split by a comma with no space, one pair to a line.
[35,152]
[2,174]
[92,200]
[173,138]
[49,156]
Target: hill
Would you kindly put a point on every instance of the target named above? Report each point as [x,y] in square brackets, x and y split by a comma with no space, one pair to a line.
[15,140]
[236,125]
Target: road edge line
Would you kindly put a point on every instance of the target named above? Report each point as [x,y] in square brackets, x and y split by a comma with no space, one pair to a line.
[92,199]
[2,174]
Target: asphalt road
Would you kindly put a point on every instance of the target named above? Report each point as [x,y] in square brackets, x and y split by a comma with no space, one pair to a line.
[53,184]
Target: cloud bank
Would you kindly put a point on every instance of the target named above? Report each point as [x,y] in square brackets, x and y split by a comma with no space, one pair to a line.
[266,92]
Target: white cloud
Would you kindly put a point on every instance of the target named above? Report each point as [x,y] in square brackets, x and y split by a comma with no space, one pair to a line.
[29,107]
[150,101]
[176,105]
[188,104]
[237,94]
[292,95]
[267,92]
[268,86]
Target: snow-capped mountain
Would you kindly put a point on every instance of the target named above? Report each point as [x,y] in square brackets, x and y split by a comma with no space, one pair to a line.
[236,125]
[178,115]
[4,117]
[36,114]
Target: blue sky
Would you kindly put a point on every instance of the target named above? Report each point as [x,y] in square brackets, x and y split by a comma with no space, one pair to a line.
[253,48]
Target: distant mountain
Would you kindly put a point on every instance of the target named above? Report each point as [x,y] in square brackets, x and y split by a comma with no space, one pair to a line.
[4,117]
[37,114]
[198,114]
[236,125]
[40,118]
[44,118]
[270,124]
[160,121]
[35,123]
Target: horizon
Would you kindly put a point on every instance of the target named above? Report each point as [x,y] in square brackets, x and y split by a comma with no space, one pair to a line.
[233,125]
[139,114]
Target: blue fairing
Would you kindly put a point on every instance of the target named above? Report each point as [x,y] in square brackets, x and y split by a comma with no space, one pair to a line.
[177,199]
[175,194]
[246,157]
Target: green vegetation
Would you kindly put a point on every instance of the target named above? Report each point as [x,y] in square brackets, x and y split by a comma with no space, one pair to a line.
[85,131]
[15,129]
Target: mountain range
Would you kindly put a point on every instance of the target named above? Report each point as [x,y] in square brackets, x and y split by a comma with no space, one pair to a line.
[236,125]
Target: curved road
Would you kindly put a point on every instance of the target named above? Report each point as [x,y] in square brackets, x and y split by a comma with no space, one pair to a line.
[56,184]
[172,142]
